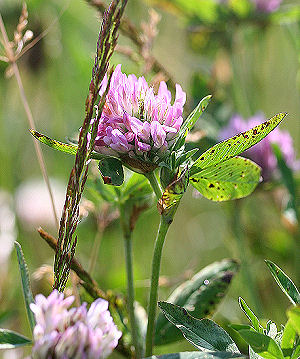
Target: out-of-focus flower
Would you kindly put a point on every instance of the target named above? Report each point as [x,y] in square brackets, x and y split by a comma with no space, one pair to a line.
[262,152]
[17,353]
[33,203]
[267,6]
[7,229]
[138,125]
[75,333]
[42,280]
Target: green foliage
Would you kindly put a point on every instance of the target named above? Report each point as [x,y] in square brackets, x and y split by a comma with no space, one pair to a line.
[199,296]
[172,195]
[11,340]
[294,318]
[25,284]
[179,156]
[111,170]
[57,145]
[204,334]
[262,344]
[191,121]
[284,282]
[268,343]
[231,179]
[71,149]
[199,355]
[235,145]
[288,340]
[251,316]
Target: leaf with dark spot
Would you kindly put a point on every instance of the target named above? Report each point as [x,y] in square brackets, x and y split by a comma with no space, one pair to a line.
[234,178]
[111,170]
[235,145]
[199,296]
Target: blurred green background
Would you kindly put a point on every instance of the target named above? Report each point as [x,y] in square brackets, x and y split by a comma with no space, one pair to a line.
[256,71]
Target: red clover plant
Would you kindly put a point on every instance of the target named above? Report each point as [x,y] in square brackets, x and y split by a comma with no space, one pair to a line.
[128,124]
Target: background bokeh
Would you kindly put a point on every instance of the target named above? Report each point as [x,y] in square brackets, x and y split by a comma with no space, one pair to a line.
[249,65]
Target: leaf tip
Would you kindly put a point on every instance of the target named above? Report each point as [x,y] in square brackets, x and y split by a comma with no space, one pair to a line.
[35,133]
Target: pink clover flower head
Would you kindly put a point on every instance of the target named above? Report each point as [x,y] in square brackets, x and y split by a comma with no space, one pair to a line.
[138,125]
[267,6]
[76,333]
[262,152]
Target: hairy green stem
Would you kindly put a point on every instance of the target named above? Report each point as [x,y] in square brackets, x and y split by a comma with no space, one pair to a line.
[154,184]
[127,233]
[159,243]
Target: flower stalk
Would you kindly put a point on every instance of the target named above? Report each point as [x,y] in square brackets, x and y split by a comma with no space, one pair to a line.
[167,207]
[156,260]
[154,184]
[127,234]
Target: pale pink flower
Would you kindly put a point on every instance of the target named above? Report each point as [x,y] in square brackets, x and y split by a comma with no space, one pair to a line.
[75,333]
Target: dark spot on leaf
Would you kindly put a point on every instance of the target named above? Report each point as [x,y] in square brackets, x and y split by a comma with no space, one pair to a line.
[202,158]
[106,179]
[227,277]
[211,185]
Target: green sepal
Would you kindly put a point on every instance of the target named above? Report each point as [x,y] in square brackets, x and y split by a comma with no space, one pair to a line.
[190,122]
